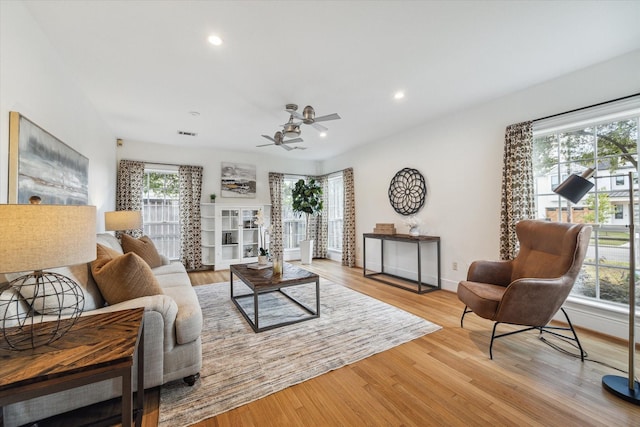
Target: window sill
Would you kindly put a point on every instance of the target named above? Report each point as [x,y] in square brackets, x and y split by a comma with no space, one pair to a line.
[598,305]
[608,319]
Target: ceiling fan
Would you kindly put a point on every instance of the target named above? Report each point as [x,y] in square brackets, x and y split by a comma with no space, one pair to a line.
[308,117]
[278,139]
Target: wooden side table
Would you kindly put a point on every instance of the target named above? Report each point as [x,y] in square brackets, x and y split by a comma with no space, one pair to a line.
[96,348]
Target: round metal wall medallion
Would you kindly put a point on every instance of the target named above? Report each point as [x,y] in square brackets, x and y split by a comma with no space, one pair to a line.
[407,191]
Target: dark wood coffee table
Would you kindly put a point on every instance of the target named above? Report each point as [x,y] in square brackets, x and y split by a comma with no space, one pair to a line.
[264,282]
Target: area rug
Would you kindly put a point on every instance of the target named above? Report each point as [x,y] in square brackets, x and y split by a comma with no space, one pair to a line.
[240,366]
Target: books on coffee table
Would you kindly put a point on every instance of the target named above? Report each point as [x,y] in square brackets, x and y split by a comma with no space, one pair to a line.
[256,266]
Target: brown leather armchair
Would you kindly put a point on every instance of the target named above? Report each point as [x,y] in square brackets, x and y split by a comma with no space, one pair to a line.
[531,288]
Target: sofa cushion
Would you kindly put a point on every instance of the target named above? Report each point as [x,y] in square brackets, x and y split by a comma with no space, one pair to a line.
[109,241]
[123,277]
[170,268]
[143,247]
[80,274]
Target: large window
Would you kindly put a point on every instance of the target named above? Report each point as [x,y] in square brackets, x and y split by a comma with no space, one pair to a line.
[161,210]
[335,207]
[293,226]
[608,144]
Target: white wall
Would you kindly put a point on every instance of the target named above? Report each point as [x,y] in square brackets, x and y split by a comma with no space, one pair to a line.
[35,83]
[460,156]
[211,159]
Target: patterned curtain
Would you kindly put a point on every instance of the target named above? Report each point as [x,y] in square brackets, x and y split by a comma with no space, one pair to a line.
[129,190]
[190,179]
[349,220]
[319,224]
[517,185]
[276,182]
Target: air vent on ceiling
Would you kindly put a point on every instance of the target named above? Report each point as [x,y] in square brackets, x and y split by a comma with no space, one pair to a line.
[183,132]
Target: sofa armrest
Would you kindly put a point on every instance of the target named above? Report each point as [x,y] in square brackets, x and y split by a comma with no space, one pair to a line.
[161,304]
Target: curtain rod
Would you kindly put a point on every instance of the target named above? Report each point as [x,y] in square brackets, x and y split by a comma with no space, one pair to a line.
[306,174]
[164,164]
[584,108]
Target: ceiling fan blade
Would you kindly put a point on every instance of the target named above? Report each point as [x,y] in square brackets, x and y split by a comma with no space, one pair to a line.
[264,145]
[319,127]
[269,138]
[333,116]
[292,141]
[299,148]
[286,147]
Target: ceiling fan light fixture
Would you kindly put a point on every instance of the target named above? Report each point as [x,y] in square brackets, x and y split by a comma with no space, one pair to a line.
[308,115]
[215,40]
[291,130]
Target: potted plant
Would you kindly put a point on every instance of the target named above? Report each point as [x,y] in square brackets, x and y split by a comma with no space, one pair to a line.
[307,200]
[213,197]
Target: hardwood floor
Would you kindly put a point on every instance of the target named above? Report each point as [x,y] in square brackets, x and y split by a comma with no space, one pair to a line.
[444,378]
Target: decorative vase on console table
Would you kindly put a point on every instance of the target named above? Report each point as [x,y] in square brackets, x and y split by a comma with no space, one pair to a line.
[262,259]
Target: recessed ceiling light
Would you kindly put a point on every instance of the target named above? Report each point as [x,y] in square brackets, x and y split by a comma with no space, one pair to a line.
[194,113]
[323,134]
[215,40]
[398,95]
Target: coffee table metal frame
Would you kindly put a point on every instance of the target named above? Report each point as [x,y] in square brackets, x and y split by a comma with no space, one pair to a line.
[264,281]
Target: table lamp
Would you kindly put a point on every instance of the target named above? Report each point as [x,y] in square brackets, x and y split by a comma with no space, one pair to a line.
[122,220]
[37,308]
[574,188]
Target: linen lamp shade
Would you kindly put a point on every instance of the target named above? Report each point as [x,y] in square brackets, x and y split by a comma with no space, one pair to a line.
[122,220]
[39,307]
[36,237]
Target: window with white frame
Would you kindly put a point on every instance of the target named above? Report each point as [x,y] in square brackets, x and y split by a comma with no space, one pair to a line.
[293,225]
[605,139]
[335,208]
[161,210]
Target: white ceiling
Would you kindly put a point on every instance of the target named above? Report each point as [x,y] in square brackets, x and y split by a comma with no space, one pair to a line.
[146,65]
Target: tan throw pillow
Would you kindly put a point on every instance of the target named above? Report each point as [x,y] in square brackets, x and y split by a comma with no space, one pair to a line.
[123,277]
[143,247]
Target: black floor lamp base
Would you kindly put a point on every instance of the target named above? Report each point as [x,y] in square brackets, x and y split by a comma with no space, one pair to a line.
[620,387]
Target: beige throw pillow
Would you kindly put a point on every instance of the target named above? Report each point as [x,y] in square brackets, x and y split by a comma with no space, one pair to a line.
[143,247]
[123,277]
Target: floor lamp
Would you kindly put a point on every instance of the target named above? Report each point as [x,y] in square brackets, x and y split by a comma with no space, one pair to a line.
[574,188]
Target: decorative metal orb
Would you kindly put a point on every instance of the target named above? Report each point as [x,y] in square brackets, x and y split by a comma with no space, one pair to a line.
[407,191]
[38,308]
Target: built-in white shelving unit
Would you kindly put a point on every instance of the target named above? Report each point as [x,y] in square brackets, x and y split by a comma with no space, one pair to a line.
[230,234]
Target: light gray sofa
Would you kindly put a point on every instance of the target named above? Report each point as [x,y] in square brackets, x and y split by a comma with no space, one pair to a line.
[172,343]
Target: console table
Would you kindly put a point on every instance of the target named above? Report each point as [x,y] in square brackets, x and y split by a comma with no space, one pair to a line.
[96,348]
[417,286]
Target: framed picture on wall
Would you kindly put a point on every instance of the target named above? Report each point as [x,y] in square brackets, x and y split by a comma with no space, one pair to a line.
[41,165]
[238,180]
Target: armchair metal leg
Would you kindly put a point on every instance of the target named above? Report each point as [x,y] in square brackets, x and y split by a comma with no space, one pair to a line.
[466,310]
[548,329]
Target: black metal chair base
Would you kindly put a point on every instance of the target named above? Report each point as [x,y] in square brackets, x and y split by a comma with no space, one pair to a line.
[548,329]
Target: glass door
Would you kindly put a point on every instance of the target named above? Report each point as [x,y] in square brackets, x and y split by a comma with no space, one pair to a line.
[229,234]
[250,239]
